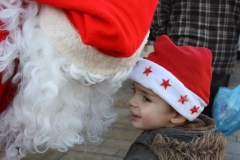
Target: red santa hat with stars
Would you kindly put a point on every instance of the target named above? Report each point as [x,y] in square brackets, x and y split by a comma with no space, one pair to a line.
[181,75]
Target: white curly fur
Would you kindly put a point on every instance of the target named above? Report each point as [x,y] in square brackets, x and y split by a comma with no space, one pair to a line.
[57,102]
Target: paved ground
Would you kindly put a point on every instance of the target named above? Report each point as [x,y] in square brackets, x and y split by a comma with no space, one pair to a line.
[114,145]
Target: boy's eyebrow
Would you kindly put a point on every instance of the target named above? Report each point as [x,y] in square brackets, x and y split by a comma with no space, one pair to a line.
[152,93]
[148,91]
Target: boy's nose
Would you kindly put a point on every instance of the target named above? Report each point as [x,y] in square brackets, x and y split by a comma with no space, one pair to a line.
[132,101]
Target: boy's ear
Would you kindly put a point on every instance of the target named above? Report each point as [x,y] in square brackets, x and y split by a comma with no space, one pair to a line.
[178,118]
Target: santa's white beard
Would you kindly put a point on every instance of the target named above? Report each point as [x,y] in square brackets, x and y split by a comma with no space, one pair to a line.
[57,102]
[47,114]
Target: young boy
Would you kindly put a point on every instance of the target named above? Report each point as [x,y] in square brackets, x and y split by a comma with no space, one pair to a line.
[171,88]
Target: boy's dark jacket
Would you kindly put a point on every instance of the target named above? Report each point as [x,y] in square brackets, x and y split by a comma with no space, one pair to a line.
[196,140]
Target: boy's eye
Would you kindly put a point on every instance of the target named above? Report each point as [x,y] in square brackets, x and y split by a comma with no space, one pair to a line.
[147,99]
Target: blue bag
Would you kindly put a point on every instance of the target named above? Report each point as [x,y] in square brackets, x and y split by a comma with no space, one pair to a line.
[226,110]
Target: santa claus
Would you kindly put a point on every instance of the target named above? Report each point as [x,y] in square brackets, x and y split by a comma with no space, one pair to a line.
[60,64]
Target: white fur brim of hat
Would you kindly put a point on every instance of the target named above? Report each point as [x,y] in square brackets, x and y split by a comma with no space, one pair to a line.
[67,41]
[183,100]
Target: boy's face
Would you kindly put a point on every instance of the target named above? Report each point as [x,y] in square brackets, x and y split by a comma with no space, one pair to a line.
[148,110]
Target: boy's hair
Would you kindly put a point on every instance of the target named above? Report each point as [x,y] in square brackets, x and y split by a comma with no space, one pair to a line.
[181,75]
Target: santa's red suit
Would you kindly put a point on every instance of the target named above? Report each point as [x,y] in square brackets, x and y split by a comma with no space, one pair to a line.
[60,64]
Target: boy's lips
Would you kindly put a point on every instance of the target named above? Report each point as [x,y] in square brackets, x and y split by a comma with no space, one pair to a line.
[134,116]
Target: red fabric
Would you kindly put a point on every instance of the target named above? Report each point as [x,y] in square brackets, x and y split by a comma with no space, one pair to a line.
[7,89]
[7,93]
[115,27]
[185,58]
[3,34]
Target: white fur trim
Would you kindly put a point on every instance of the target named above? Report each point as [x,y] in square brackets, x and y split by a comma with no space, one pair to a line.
[172,93]
[67,41]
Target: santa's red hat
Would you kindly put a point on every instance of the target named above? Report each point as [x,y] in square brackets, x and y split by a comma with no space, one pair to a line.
[111,33]
[181,75]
